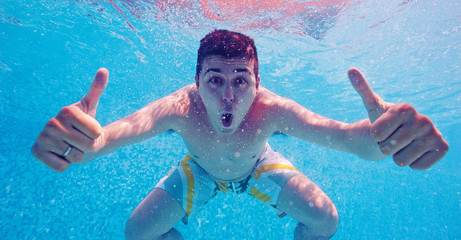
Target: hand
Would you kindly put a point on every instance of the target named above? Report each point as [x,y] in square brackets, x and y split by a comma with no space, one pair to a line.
[409,136]
[74,131]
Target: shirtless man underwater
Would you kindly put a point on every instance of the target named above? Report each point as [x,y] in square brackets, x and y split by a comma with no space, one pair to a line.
[225,119]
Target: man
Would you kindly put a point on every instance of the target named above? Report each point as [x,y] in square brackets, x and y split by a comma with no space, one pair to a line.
[225,119]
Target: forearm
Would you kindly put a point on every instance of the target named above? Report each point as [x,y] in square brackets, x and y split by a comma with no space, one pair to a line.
[118,134]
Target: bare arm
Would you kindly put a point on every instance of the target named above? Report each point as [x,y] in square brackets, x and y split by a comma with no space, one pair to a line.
[155,118]
[74,136]
[299,122]
[392,129]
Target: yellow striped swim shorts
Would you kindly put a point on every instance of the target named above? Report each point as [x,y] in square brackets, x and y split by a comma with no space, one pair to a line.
[192,187]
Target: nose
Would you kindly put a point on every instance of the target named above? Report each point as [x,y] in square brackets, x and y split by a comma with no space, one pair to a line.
[228,95]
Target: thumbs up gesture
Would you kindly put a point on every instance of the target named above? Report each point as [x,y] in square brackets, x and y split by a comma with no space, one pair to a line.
[73,132]
[399,129]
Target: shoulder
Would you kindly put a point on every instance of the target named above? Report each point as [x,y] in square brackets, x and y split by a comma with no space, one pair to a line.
[178,103]
[270,109]
[271,101]
[169,110]
[184,93]
[278,110]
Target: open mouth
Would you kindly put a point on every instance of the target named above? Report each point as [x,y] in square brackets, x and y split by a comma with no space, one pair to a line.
[226,119]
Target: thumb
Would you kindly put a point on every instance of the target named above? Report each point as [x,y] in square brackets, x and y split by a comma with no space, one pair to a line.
[373,103]
[89,102]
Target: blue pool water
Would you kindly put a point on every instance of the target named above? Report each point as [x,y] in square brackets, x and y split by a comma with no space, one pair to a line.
[50,50]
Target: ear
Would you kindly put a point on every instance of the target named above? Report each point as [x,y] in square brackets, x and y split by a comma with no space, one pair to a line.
[196,80]
[258,79]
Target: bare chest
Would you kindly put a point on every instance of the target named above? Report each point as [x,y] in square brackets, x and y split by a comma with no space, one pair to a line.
[224,156]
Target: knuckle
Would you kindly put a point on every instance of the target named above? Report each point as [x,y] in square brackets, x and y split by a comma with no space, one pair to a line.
[424,123]
[425,120]
[407,109]
[52,124]
[443,147]
[66,112]
[425,142]
[374,131]
[44,137]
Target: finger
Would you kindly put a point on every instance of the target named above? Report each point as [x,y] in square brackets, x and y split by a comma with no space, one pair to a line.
[53,161]
[87,126]
[56,132]
[51,141]
[90,101]
[372,102]
[78,140]
[403,116]
[427,160]
[74,156]
[46,141]
[394,118]
[74,118]
[411,153]
[397,141]
[439,148]
[59,147]
[386,125]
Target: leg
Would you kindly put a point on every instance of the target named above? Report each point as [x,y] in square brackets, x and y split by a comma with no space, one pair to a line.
[155,217]
[310,206]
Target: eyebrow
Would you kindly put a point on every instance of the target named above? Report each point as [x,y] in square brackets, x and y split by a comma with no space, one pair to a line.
[212,70]
[242,70]
[235,70]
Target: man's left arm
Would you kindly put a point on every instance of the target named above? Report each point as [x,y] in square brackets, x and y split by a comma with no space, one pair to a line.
[410,137]
[392,129]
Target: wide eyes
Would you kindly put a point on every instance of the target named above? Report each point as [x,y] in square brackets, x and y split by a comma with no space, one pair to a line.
[237,82]
[240,81]
[215,81]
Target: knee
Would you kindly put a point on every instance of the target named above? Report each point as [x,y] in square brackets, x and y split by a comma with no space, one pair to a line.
[325,221]
[133,230]
[329,222]
[136,229]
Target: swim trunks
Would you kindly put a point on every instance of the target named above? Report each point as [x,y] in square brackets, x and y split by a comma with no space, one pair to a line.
[192,187]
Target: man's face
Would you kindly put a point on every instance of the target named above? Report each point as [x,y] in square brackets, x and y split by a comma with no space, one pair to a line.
[228,88]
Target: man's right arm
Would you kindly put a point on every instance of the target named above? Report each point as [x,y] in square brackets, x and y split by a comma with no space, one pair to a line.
[74,136]
[155,118]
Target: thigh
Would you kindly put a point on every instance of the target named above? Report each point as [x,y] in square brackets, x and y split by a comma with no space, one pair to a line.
[271,174]
[304,201]
[155,215]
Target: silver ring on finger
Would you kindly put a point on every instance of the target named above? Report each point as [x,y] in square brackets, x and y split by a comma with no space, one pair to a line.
[66,153]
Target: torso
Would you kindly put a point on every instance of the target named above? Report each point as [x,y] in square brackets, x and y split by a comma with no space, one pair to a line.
[228,157]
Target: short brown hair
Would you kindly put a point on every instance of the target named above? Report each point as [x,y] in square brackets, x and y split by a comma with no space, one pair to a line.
[229,45]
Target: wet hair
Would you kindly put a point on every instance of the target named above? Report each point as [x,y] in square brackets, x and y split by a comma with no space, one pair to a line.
[227,44]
